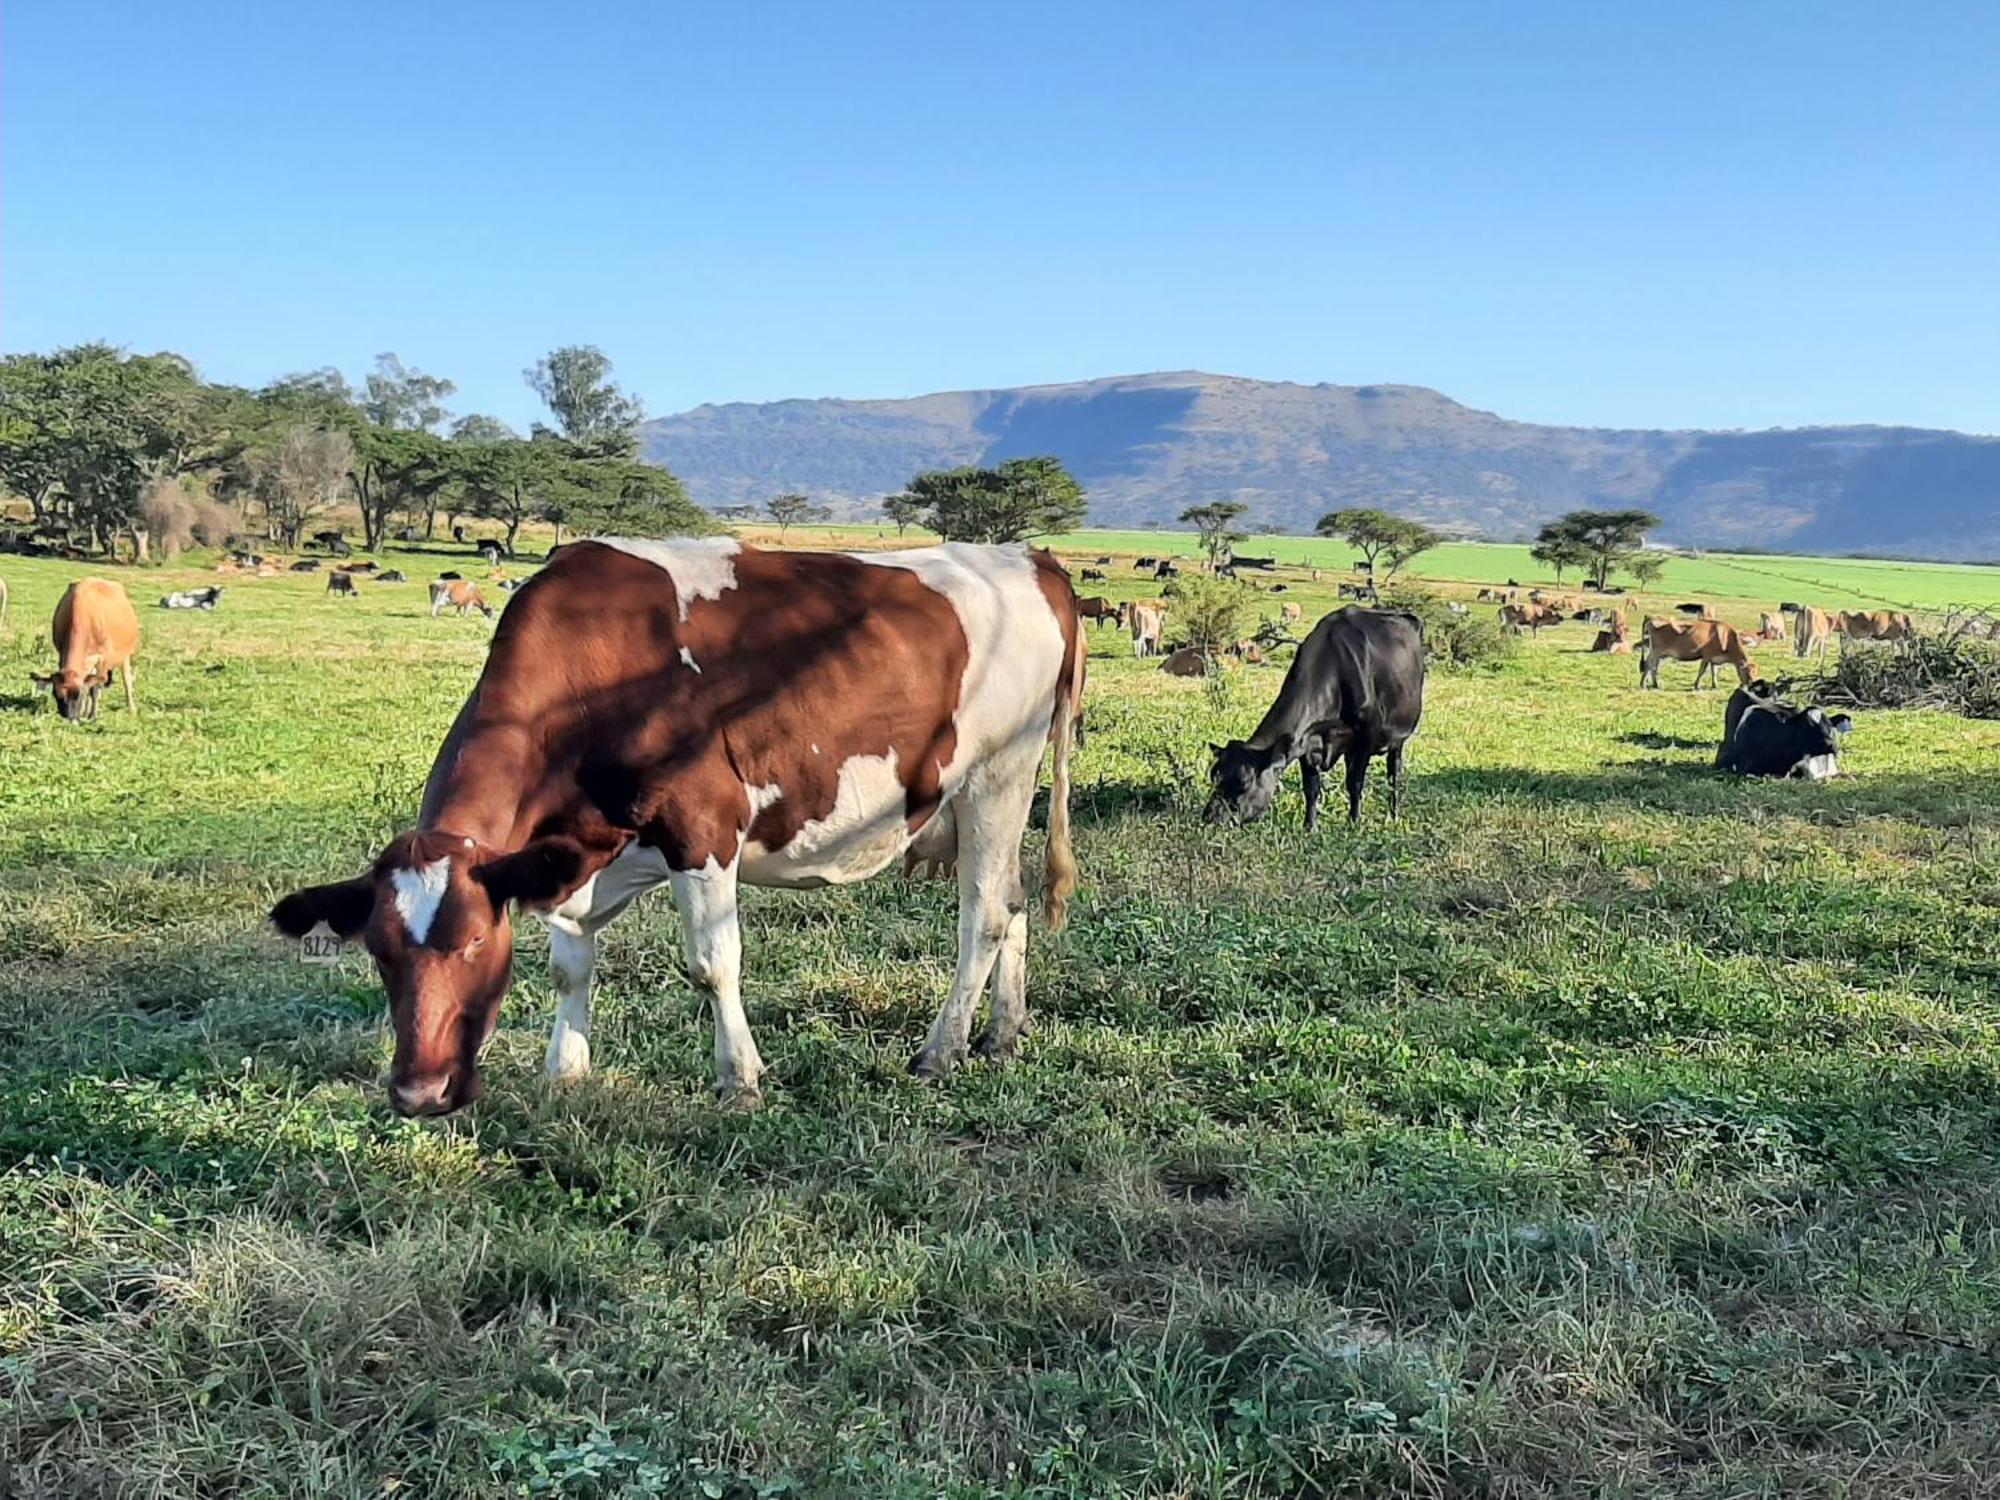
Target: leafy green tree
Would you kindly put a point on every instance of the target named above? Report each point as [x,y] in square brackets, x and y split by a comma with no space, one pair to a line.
[905,510]
[398,469]
[32,418]
[510,481]
[575,383]
[1607,539]
[402,399]
[1022,497]
[615,496]
[1380,538]
[1554,548]
[1645,568]
[795,510]
[1216,522]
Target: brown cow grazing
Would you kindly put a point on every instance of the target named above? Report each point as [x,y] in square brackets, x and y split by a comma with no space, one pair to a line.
[342,583]
[1147,618]
[460,595]
[1186,662]
[1529,617]
[704,715]
[1101,610]
[1811,630]
[96,631]
[1707,642]
[1876,625]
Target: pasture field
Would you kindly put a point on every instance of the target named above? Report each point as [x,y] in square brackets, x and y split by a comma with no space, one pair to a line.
[1759,580]
[1604,1128]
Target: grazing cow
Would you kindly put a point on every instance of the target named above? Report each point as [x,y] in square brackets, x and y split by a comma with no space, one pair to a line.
[1811,630]
[1876,625]
[342,583]
[1186,662]
[1354,691]
[206,598]
[1709,643]
[1291,613]
[329,539]
[1529,617]
[1167,569]
[704,714]
[491,551]
[1093,575]
[460,596]
[393,575]
[1771,627]
[95,632]
[1146,619]
[339,548]
[1350,591]
[1764,736]
[1104,561]
[306,565]
[1141,564]
[1101,610]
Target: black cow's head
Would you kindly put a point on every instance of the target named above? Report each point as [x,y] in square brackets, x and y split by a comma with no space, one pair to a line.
[1243,780]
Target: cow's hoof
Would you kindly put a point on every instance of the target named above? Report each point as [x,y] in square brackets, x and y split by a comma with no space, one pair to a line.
[738,1098]
[997,1049]
[931,1066]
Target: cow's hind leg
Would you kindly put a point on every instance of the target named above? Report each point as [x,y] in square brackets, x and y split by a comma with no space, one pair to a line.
[707,902]
[1008,1018]
[991,821]
[125,672]
[1396,781]
[1357,779]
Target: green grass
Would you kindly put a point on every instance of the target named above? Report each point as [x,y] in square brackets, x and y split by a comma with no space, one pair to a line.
[1762,580]
[1604,1128]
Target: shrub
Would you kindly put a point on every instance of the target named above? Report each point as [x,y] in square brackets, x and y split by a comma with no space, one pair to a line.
[1956,671]
[1454,641]
[1208,612]
[168,515]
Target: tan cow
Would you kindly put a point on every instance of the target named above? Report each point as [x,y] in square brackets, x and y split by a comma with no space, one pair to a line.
[95,632]
[1147,618]
[1529,617]
[1876,625]
[1707,642]
[1291,613]
[458,594]
[1811,630]
[1771,627]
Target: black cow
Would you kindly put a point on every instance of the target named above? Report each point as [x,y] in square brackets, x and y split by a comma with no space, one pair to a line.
[1762,735]
[394,575]
[1092,575]
[1240,561]
[1104,561]
[1691,609]
[1278,588]
[306,565]
[490,550]
[1140,564]
[1790,607]
[450,575]
[328,539]
[1355,690]
[1167,569]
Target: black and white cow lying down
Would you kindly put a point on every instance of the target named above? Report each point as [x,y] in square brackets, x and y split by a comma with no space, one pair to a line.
[1355,691]
[1762,735]
[206,598]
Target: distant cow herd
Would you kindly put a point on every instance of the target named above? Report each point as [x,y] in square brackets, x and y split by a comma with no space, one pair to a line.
[706,715]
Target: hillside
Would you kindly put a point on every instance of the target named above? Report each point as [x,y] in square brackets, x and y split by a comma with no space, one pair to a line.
[1148,445]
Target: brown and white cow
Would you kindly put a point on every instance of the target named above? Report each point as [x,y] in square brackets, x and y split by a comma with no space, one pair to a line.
[1529,617]
[1706,642]
[705,715]
[458,594]
[1811,630]
[95,631]
[1876,625]
[1147,618]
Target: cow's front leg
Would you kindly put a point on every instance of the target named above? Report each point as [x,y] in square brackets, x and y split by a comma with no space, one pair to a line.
[1315,783]
[572,954]
[707,902]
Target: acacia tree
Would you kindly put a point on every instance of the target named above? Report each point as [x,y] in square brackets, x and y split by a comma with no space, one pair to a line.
[1380,538]
[1022,497]
[795,510]
[575,382]
[1606,539]
[1556,549]
[906,510]
[1216,523]
[398,469]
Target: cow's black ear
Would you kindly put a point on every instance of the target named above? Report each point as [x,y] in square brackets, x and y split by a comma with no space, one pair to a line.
[1840,723]
[534,875]
[1215,749]
[344,907]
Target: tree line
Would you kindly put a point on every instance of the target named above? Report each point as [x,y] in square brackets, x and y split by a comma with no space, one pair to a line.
[112,449]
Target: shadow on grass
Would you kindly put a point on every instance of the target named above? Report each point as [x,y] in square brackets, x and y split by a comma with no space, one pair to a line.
[1697,789]
[1649,740]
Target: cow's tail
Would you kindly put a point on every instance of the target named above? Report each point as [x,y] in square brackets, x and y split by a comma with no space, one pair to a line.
[1059,873]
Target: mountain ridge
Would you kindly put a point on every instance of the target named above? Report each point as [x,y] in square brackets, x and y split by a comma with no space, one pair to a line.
[1148,445]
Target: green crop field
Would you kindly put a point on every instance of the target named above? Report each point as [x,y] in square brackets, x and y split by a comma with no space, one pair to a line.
[1606,1127]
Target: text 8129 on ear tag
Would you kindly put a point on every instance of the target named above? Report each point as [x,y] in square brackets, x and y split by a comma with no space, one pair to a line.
[321,946]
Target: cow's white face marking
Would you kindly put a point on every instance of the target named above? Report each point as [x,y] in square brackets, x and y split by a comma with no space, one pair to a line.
[688,661]
[419,893]
[701,567]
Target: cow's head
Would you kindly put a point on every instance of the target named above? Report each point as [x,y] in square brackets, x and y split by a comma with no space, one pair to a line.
[1243,780]
[434,915]
[1814,744]
[75,689]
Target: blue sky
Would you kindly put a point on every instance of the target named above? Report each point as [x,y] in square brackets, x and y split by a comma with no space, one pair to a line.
[1729,215]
